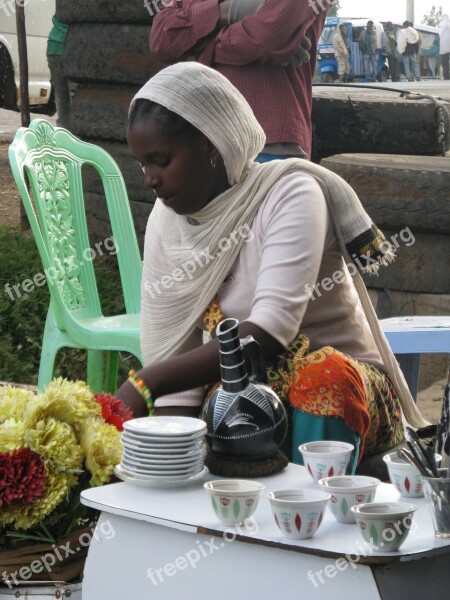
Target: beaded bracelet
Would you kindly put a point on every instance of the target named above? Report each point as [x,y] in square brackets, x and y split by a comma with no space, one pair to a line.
[140,386]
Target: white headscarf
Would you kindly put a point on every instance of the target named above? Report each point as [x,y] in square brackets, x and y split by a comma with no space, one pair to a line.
[197,93]
[179,277]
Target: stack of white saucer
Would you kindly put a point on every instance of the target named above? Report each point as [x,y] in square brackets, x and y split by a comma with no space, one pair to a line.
[163,451]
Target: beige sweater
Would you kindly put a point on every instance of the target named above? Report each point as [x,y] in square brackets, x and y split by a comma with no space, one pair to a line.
[290,276]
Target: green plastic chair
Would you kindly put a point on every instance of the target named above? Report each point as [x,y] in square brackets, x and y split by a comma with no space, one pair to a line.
[51,159]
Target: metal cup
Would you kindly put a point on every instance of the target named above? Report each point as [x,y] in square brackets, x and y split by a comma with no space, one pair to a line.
[437,495]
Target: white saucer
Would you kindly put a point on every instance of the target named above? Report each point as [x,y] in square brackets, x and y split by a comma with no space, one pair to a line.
[165,426]
[150,451]
[161,475]
[166,442]
[154,459]
[152,483]
[165,472]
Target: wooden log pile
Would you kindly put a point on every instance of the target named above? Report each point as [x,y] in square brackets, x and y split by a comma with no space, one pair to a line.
[375,120]
[107,53]
[408,197]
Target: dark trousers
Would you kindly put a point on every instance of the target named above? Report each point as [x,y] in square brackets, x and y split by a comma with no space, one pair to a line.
[445,65]
[394,68]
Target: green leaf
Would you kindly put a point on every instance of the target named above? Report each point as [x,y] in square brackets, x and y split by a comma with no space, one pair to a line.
[374,533]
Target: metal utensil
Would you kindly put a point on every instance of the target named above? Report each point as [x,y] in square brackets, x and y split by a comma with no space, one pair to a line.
[430,453]
[416,454]
[405,455]
[443,428]
[429,463]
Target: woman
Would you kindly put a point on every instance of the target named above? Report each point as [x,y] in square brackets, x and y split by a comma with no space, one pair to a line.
[264,244]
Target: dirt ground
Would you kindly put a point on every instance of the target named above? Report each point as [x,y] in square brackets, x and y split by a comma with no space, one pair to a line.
[10,206]
[429,399]
[9,196]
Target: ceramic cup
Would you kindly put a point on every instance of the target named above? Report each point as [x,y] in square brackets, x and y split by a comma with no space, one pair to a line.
[234,500]
[384,525]
[404,476]
[437,495]
[346,491]
[326,459]
[298,513]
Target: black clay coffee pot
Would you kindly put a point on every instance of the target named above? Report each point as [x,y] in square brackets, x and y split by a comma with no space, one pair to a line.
[246,420]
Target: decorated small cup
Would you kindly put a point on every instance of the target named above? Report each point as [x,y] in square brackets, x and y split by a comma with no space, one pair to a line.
[405,476]
[347,491]
[326,459]
[384,525]
[234,500]
[298,513]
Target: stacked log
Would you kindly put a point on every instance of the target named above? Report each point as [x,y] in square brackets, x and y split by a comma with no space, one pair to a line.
[377,120]
[408,197]
[107,54]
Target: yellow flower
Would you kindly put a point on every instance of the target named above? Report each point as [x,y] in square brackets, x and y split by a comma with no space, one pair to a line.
[12,435]
[65,426]
[57,445]
[13,402]
[65,401]
[102,448]
[57,487]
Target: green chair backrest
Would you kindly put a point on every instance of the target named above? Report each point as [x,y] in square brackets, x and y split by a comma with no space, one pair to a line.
[51,159]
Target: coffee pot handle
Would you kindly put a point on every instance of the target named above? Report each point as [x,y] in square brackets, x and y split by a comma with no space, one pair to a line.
[251,347]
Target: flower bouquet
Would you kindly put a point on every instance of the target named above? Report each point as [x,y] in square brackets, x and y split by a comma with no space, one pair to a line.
[52,446]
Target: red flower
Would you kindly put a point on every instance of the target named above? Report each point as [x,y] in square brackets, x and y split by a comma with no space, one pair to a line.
[22,477]
[114,411]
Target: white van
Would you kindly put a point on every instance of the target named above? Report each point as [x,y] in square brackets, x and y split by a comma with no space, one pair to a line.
[38,23]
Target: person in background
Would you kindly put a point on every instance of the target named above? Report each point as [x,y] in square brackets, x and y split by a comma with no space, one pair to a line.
[368,45]
[389,45]
[55,48]
[418,47]
[444,45]
[341,52]
[292,224]
[408,47]
[257,52]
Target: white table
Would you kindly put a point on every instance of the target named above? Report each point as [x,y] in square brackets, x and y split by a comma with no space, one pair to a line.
[168,544]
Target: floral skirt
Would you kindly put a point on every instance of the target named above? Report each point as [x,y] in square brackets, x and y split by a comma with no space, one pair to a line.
[329,395]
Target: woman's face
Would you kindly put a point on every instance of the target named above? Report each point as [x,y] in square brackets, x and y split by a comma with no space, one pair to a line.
[177,168]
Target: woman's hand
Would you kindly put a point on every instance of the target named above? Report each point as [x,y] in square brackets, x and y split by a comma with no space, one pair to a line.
[131,398]
[196,368]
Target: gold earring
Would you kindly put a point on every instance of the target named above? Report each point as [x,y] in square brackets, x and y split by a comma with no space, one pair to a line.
[212,161]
